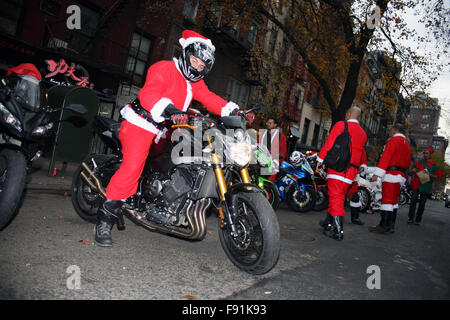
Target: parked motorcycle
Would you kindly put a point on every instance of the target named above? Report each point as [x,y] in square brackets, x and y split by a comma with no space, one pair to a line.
[295,185]
[175,193]
[320,184]
[405,195]
[369,192]
[25,127]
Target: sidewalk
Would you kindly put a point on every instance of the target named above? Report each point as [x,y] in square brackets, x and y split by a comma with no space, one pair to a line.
[39,180]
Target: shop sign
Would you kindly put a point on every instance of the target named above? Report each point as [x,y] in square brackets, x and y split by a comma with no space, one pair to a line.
[69,73]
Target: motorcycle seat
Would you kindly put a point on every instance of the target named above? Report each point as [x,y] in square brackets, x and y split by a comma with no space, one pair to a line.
[107,124]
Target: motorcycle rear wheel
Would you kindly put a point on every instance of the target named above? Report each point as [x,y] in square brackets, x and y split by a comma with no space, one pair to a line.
[255,248]
[85,200]
[13,173]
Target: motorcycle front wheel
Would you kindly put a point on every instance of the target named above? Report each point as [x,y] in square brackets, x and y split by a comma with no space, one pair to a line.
[300,202]
[403,199]
[13,173]
[254,247]
[321,200]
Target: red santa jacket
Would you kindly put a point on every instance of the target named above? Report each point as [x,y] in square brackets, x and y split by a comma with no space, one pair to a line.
[166,85]
[358,138]
[397,153]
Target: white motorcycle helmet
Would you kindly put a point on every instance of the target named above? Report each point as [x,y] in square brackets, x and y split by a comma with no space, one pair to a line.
[296,157]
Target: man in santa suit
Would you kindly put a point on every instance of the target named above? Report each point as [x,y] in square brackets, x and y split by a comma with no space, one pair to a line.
[169,88]
[275,141]
[340,182]
[391,168]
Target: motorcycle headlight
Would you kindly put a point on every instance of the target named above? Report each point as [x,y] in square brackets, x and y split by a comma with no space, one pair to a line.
[240,153]
[9,118]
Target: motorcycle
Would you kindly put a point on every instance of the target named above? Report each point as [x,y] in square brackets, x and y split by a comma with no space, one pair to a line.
[405,195]
[320,184]
[175,192]
[261,159]
[26,127]
[295,185]
[369,192]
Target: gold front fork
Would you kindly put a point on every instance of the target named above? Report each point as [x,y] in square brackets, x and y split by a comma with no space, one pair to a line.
[245,175]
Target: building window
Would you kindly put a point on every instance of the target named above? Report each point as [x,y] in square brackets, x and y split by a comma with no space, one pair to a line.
[10,14]
[252,35]
[426,117]
[422,142]
[237,92]
[424,125]
[305,130]
[190,9]
[137,57]
[315,135]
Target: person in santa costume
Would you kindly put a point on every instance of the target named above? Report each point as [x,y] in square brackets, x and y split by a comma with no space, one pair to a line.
[169,88]
[422,190]
[340,182]
[391,168]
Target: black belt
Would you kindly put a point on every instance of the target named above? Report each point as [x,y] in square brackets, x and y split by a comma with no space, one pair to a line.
[394,168]
[136,106]
[354,166]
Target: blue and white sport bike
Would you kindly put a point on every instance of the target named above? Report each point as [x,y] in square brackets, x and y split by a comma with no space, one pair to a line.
[295,183]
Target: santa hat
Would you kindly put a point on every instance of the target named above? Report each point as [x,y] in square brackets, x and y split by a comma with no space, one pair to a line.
[26,69]
[429,149]
[190,36]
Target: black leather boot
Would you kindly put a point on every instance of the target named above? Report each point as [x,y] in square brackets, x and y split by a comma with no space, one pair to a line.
[392,220]
[382,227]
[337,228]
[355,216]
[108,214]
[326,223]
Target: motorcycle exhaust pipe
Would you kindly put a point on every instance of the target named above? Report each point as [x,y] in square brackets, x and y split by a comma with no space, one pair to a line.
[92,180]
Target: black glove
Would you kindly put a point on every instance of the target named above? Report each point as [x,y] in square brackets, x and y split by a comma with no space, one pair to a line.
[175,115]
[249,116]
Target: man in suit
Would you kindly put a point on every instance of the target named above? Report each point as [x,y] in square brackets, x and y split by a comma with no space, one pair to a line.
[275,141]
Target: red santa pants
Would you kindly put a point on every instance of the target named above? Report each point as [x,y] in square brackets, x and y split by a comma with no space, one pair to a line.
[390,193]
[336,193]
[136,144]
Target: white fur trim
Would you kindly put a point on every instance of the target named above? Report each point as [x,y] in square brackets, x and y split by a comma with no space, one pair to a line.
[364,166]
[158,109]
[185,42]
[353,120]
[379,172]
[387,207]
[319,160]
[340,178]
[355,204]
[188,100]
[390,178]
[399,135]
[128,114]
[396,206]
[226,110]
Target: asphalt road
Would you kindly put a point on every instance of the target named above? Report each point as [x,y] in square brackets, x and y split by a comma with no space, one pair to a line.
[47,246]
